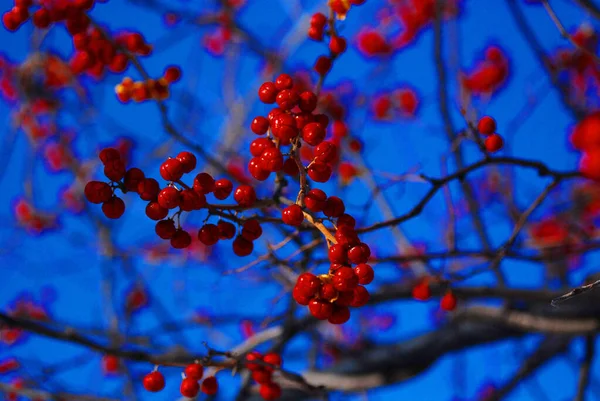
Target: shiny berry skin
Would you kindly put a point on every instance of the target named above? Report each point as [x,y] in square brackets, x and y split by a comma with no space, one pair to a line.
[326,152]
[188,161]
[165,229]
[41,18]
[287,99]
[300,296]
[337,44]
[226,230]
[97,192]
[284,81]
[245,195]
[319,172]
[108,154]
[365,273]
[210,385]
[132,179]
[251,230]
[223,188]
[494,143]
[260,125]
[340,315]
[209,234]
[171,170]
[302,119]
[338,253]
[308,284]
[156,211]
[346,235]
[345,298]
[181,239]
[267,93]
[345,279]
[359,253]
[189,387]
[284,127]
[169,198]
[328,292]
[154,381]
[486,125]
[313,134]
[315,200]
[271,160]
[256,169]
[204,183]
[321,310]
[308,101]
[114,170]
[361,297]
[259,145]
[242,247]
[448,302]
[113,208]
[270,391]
[334,207]
[292,215]
[318,19]
[148,189]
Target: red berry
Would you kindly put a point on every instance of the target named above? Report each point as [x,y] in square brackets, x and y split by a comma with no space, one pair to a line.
[262,376]
[285,128]
[204,184]
[114,170]
[322,65]
[318,20]
[148,189]
[132,179]
[338,253]
[154,381]
[319,172]
[315,200]
[256,169]
[245,195]
[448,302]
[308,101]
[156,211]
[188,161]
[97,192]
[340,315]
[226,230]
[270,391]
[494,143]
[300,296]
[210,385]
[486,125]
[169,198]
[334,207]
[113,208]
[345,279]
[271,160]
[346,220]
[359,253]
[290,167]
[251,230]
[320,309]
[171,170]
[172,74]
[267,93]
[253,356]
[189,387]
[326,152]
[308,284]
[260,125]
[287,99]
[242,247]
[41,18]
[181,239]
[361,297]
[421,291]
[292,215]
[223,188]
[337,44]
[108,154]
[209,234]
[259,145]
[273,359]
[110,364]
[284,81]
[365,273]
[313,134]
[165,229]
[191,200]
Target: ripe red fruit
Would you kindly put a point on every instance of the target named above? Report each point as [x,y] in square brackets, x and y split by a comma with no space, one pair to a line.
[172,73]
[365,273]
[171,170]
[223,188]
[110,364]
[132,178]
[251,230]
[300,296]
[154,381]
[253,356]
[113,208]
[308,284]
[267,93]
[258,146]
[361,297]
[287,99]
[191,200]
[270,391]
[165,229]
[337,44]
[156,211]
[334,207]
[328,292]
[204,184]
[313,134]
[188,161]
[181,239]
[315,200]
[319,172]
[148,189]
[260,125]
[320,309]
[346,220]
[189,387]
[226,230]
[209,234]
[290,167]
[256,169]
[97,192]
[114,170]
[345,279]
[318,20]
[448,301]
[108,154]
[326,152]
[292,215]
[322,65]
[245,195]
[486,125]
[262,376]
[338,253]
[421,291]
[41,18]
[359,253]
[271,160]
[494,143]
[284,81]
[340,315]
[242,247]
[308,101]
[285,128]
[210,385]
[169,198]
[273,359]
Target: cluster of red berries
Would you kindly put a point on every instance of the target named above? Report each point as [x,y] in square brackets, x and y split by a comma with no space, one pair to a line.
[140,91]
[489,74]
[422,292]
[586,138]
[32,219]
[73,13]
[487,126]
[210,234]
[263,373]
[402,102]
[341,7]
[190,386]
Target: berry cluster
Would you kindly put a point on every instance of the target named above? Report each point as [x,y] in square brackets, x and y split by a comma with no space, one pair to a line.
[402,102]
[262,373]
[140,91]
[73,13]
[190,386]
[489,74]
[341,7]
[422,292]
[586,139]
[487,126]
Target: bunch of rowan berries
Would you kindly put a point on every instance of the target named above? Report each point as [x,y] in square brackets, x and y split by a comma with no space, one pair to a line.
[487,126]
[140,91]
[190,383]
[263,373]
[73,13]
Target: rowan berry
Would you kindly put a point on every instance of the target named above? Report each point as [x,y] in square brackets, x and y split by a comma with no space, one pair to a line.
[448,301]
[110,364]
[253,356]
[346,220]
[284,81]
[334,207]
[97,192]
[41,18]
[494,143]
[132,179]
[308,284]
[486,125]
[325,152]
[251,230]
[320,309]
[287,99]
[319,172]
[292,215]
[337,44]
[204,184]
[284,127]
[315,200]
[322,119]
[267,93]
[210,385]
[245,195]
[300,296]
[226,230]
[316,33]
[223,188]
[188,161]
[154,381]
[274,359]
[359,253]
[259,145]
[308,102]
[169,198]
[181,239]
[113,208]
[365,273]
[114,170]
[165,229]
[339,315]
[261,376]
[338,253]
[313,134]
[318,19]
[322,65]
[108,154]
[271,160]
[256,169]
[242,247]
[421,291]
[191,200]
[345,279]
[189,387]
[209,234]
[172,74]
[346,235]
[194,371]
[270,391]
[155,211]
[171,170]
[345,298]
[148,189]
[260,125]
[361,297]
[328,291]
